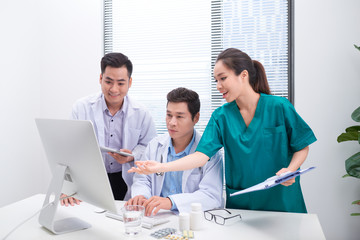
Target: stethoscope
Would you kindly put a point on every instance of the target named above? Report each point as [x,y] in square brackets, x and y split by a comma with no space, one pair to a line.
[160,173]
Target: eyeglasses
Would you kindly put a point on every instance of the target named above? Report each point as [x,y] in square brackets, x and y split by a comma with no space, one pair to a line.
[219,219]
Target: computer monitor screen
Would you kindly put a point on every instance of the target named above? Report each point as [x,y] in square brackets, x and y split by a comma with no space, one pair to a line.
[77,166]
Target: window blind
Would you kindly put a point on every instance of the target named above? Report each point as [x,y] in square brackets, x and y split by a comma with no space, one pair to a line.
[175,44]
[260,28]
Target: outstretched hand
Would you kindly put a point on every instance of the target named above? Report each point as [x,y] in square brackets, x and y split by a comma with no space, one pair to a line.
[146,167]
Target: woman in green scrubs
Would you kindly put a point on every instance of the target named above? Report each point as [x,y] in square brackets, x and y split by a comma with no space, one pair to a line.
[262,135]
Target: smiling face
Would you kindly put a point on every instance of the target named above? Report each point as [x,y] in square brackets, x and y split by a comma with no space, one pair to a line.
[115,84]
[179,122]
[228,84]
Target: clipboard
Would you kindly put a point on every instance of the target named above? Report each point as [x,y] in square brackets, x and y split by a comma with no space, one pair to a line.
[273,181]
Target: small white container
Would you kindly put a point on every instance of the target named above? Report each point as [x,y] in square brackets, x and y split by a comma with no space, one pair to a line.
[184,221]
[196,216]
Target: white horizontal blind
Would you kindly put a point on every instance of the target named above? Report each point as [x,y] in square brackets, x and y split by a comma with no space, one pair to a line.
[175,43]
[260,28]
[169,44]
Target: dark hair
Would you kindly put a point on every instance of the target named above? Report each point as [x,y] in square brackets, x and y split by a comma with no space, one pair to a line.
[239,61]
[185,95]
[116,60]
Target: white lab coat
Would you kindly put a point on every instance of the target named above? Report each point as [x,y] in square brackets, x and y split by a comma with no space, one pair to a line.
[203,185]
[139,128]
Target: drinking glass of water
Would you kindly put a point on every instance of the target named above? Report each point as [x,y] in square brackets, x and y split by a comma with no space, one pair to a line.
[132,215]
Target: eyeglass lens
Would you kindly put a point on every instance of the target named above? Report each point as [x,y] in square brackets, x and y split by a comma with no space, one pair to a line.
[208,216]
[218,219]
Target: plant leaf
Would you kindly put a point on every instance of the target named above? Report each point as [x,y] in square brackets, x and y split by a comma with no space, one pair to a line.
[355,214]
[346,175]
[356,115]
[356,202]
[357,47]
[349,136]
[353,129]
[352,165]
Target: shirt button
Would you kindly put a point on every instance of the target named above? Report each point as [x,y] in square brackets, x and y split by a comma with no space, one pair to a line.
[111,163]
[111,135]
[112,120]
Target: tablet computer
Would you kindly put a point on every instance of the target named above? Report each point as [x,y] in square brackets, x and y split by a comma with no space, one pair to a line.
[106,149]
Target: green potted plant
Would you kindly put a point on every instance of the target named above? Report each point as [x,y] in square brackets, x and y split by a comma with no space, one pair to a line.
[352,164]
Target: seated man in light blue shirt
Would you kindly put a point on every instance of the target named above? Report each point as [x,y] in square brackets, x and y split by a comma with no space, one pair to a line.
[177,190]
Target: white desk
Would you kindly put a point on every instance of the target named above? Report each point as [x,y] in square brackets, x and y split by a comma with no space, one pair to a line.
[254,224]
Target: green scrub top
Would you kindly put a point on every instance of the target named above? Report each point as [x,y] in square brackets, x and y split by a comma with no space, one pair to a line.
[257,152]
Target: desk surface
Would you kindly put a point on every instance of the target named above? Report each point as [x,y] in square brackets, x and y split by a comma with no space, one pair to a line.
[254,224]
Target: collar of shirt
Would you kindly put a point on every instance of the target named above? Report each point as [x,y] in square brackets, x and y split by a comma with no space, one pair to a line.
[106,109]
[172,155]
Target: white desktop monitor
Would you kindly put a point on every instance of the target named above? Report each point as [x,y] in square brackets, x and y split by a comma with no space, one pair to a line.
[77,166]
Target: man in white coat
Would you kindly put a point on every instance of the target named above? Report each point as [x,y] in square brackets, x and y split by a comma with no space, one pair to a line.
[119,122]
[177,190]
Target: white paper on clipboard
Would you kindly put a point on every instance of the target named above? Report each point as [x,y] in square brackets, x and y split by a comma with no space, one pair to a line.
[273,181]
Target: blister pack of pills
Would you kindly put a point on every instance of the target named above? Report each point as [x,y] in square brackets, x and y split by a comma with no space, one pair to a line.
[163,232]
[184,235]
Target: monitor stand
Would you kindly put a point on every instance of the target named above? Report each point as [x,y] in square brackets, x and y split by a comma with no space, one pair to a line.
[47,215]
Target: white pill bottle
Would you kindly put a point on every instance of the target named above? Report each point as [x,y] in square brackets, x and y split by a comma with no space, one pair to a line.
[184,222]
[196,216]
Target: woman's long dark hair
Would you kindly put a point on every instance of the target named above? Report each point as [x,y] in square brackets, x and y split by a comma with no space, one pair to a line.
[239,61]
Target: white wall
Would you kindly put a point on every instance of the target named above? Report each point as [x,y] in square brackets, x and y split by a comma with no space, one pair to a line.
[73,31]
[327,90]
[20,158]
[50,56]
[50,53]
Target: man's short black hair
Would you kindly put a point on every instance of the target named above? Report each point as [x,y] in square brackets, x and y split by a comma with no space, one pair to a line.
[116,60]
[185,95]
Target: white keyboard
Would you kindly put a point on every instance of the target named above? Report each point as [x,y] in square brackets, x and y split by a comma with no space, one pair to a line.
[147,222]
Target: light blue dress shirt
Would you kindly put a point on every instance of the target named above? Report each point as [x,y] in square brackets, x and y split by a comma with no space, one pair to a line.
[173,180]
[113,132]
